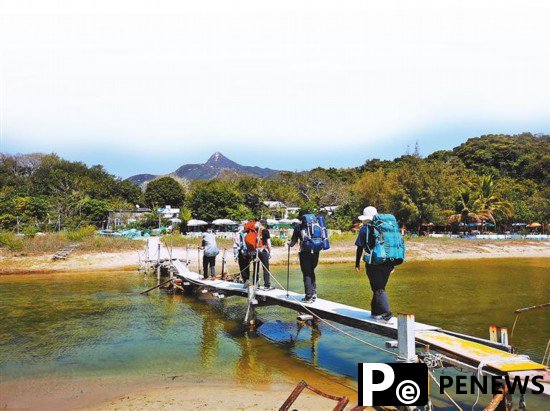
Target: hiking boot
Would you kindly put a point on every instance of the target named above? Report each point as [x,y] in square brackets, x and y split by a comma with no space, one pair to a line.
[383,317]
[387,316]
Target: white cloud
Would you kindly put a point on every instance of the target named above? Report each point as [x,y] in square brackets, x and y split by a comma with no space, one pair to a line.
[195,76]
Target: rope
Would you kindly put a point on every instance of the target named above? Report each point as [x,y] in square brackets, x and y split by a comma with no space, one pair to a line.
[478,376]
[240,271]
[445,392]
[546,357]
[327,322]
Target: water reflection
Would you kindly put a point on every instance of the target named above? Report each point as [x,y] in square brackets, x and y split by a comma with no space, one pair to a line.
[81,324]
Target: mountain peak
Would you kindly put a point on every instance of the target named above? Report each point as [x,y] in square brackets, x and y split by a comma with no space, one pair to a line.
[216,166]
[216,158]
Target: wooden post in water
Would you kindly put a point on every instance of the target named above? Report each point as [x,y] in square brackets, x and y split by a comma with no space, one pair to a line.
[405,338]
[498,334]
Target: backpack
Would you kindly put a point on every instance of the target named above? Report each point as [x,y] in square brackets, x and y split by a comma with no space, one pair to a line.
[253,237]
[314,234]
[388,242]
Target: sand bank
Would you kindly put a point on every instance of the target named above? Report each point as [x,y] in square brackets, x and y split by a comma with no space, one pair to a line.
[417,250]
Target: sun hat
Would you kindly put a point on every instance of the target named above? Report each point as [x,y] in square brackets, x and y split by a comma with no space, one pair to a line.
[368,213]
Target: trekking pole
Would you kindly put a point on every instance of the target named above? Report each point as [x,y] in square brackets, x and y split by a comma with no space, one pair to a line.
[223,262]
[199,259]
[287,270]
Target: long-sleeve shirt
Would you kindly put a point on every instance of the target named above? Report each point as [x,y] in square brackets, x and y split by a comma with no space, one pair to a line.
[362,243]
[296,235]
[237,243]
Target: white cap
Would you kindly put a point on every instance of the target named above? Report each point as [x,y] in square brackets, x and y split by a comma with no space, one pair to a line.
[368,213]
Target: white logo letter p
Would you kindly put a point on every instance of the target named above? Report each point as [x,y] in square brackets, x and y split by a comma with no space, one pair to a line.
[369,386]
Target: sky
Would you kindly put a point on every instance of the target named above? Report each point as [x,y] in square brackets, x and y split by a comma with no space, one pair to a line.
[145,86]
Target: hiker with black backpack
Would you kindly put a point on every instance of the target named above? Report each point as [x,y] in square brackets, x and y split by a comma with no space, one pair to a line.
[313,237]
[384,248]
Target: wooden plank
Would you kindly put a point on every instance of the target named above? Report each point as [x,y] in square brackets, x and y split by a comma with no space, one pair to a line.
[476,352]
[473,352]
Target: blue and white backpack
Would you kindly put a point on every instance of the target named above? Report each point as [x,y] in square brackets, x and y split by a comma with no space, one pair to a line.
[389,245]
[314,234]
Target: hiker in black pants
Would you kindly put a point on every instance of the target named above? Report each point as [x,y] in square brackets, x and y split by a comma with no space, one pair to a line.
[308,263]
[378,274]
[211,250]
[264,254]
[240,255]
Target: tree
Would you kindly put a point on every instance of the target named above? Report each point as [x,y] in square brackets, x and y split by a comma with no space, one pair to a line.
[488,203]
[478,201]
[216,199]
[164,191]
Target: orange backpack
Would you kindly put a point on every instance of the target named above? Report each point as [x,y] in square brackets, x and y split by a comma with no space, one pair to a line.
[253,237]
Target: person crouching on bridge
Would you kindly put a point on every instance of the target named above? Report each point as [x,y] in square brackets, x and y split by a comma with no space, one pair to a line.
[211,250]
[384,248]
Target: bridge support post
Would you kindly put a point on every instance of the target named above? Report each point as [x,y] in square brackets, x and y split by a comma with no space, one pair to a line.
[405,338]
[250,317]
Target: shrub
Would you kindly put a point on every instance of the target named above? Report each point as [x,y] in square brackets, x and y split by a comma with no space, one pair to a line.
[277,242]
[11,242]
[81,233]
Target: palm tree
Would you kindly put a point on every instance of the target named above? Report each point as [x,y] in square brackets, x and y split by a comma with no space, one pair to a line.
[479,201]
[488,203]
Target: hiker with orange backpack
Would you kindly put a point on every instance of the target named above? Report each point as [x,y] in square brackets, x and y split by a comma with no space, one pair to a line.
[253,244]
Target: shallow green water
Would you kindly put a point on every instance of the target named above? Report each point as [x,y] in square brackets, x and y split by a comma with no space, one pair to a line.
[95,324]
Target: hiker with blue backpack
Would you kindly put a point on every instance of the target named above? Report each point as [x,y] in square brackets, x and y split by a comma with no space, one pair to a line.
[313,237]
[381,240]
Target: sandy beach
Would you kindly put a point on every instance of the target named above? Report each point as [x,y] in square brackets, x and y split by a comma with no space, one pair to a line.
[417,250]
[110,393]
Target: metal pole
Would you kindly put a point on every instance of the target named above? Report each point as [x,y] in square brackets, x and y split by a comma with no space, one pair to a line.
[223,262]
[287,271]
[199,259]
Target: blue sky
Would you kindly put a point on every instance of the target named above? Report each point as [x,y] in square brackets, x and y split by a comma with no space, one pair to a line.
[147,86]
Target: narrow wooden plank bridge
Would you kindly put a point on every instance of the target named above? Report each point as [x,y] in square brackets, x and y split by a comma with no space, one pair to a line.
[473,351]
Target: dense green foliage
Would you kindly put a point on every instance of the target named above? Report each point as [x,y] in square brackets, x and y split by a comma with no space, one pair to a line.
[164,191]
[495,178]
[44,191]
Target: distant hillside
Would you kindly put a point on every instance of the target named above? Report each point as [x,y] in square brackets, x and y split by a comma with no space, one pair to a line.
[216,166]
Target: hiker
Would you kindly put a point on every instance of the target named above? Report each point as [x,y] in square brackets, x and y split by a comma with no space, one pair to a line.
[211,250]
[380,258]
[252,247]
[312,234]
[264,254]
[240,255]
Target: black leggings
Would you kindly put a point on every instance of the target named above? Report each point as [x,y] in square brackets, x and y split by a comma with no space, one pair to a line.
[378,278]
[308,263]
[244,266]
